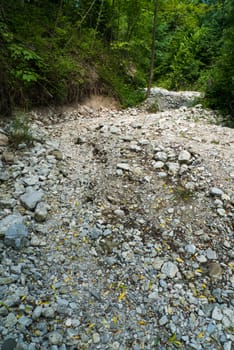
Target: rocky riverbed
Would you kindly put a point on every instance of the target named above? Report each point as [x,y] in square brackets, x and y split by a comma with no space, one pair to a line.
[116,232]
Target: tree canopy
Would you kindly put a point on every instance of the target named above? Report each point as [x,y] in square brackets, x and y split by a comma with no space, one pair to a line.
[58,51]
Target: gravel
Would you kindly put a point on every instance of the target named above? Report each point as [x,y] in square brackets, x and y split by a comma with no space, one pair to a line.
[125,248]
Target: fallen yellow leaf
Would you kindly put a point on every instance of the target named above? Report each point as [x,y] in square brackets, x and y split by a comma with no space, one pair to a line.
[122,296]
[142,322]
[114,319]
[200,335]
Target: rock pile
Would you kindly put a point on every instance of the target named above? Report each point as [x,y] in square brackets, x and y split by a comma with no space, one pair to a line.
[117,233]
[164,99]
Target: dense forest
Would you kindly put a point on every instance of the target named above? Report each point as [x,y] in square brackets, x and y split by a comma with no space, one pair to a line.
[58,51]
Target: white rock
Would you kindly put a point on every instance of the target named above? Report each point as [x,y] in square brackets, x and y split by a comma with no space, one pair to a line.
[173,168]
[201,258]
[162,156]
[153,296]
[114,130]
[217,314]
[169,269]
[211,254]
[157,263]
[41,212]
[162,174]
[184,156]
[158,165]
[115,345]
[68,322]
[96,338]
[163,320]
[221,212]
[214,191]
[123,166]
[227,345]
[190,248]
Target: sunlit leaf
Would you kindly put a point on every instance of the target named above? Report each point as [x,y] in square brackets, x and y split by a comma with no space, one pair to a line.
[122,296]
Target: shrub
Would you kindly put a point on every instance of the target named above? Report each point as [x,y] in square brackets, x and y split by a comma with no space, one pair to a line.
[19,130]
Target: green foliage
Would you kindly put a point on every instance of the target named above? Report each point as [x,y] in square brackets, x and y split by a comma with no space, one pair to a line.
[19,131]
[217,80]
[58,51]
[123,90]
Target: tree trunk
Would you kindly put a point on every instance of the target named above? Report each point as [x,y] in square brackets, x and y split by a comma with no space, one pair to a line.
[152,59]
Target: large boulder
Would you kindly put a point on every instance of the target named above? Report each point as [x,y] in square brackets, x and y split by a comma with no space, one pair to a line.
[14,232]
[31,197]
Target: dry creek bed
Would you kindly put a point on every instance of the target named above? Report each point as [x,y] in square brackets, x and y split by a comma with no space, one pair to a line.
[116,232]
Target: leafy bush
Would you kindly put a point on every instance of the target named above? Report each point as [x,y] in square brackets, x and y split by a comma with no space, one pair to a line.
[19,131]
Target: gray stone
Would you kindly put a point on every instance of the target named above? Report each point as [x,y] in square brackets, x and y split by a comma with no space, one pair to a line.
[135,148]
[114,130]
[153,296]
[158,165]
[55,338]
[41,212]
[80,140]
[162,174]
[4,176]
[16,236]
[211,254]
[48,312]
[11,320]
[173,168]
[30,199]
[184,156]
[221,212]
[190,248]
[183,169]
[157,263]
[214,191]
[162,156]
[24,321]
[9,344]
[8,157]
[119,212]
[96,338]
[169,269]
[201,258]
[6,280]
[214,270]
[31,180]
[3,140]
[163,320]
[123,166]
[217,314]
[9,220]
[57,154]
[54,347]
[37,312]
[37,241]
[227,345]
[7,203]
[218,203]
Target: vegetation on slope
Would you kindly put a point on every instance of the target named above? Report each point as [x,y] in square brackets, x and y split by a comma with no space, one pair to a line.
[58,51]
